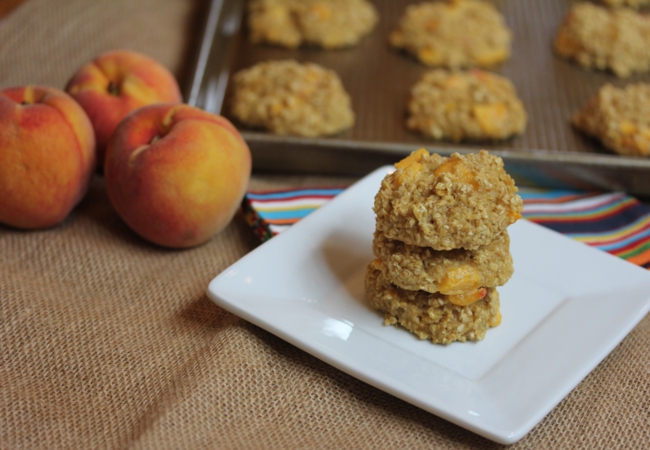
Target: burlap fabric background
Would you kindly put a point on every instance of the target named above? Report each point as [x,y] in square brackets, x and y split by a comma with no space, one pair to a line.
[109,342]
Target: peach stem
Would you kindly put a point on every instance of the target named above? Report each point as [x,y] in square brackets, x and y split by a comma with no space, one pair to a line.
[113,88]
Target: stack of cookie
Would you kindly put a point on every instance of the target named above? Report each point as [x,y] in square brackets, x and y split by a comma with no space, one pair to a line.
[441,245]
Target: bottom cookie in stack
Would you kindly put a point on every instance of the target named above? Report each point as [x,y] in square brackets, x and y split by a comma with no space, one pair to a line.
[432,316]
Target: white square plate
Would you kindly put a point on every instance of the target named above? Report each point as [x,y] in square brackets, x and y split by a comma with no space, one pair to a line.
[566,307]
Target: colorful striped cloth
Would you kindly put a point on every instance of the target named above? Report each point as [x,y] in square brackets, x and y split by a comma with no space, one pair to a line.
[272,212]
[613,222]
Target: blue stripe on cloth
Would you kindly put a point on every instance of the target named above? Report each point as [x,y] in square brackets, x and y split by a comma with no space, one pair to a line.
[285,194]
[554,194]
[291,214]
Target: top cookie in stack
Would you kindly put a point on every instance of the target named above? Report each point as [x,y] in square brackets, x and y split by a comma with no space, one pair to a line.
[441,244]
[446,203]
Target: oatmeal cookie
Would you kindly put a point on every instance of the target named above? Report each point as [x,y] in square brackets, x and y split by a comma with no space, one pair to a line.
[620,118]
[453,34]
[471,106]
[636,4]
[450,272]
[447,203]
[325,23]
[286,97]
[432,316]
[600,38]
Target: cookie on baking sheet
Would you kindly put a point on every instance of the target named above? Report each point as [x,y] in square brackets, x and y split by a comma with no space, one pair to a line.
[453,34]
[465,106]
[463,201]
[619,118]
[636,4]
[432,316]
[289,98]
[600,38]
[450,272]
[325,23]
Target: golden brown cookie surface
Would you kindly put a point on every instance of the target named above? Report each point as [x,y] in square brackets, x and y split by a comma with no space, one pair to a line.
[453,34]
[465,106]
[432,316]
[464,201]
[601,38]
[450,272]
[325,23]
[619,118]
[636,4]
[289,98]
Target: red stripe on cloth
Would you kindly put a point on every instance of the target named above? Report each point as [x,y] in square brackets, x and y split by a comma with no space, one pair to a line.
[281,221]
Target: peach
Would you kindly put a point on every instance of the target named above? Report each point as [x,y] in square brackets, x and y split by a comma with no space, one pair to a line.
[116,83]
[176,174]
[47,156]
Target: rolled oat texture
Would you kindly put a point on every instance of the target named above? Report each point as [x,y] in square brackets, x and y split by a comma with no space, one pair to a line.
[453,34]
[290,98]
[600,38]
[619,118]
[448,271]
[465,106]
[329,24]
[432,316]
[636,4]
[464,201]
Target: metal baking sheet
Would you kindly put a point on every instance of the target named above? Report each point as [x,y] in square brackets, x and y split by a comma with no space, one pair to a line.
[550,152]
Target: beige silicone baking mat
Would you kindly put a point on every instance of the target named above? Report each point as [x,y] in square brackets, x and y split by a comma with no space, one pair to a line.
[379,79]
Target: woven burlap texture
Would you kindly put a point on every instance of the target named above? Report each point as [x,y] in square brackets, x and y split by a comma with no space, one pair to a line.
[110,342]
